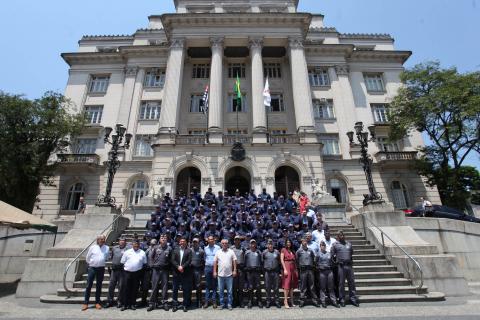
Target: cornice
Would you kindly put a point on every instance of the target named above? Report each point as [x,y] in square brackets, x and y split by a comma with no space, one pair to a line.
[365,36]
[106,37]
[380,55]
[329,49]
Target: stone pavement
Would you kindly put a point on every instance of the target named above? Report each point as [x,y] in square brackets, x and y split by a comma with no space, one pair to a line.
[453,308]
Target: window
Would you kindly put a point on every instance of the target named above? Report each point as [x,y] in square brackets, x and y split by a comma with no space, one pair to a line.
[138,190]
[241,131]
[201,71]
[318,77]
[99,84]
[338,189]
[234,106]
[197,132]
[277,104]
[385,145]
[272,70]
[93,114]
[399,195]
[196,103]
[323,109]
[278,132]
[150,110]
[330,146]
[85,146]
[374,82]
[143,147]
[235,69]
[73,196]
[380,113]
[155,78]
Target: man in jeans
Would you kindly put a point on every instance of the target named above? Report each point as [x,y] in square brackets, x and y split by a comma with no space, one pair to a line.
[225,268]
[97,255]
[210,283]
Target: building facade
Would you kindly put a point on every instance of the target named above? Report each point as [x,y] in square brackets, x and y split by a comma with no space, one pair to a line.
[321,81]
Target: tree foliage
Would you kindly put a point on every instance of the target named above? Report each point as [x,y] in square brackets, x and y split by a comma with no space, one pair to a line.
[445,105]
[31,131]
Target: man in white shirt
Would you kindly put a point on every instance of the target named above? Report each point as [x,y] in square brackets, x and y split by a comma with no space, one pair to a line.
[96,257]
[328,240]
[225,268]
[318,235]
[133,261]
[426,206]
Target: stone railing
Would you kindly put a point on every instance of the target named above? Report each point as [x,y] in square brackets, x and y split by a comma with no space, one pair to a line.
[78,158]
[191,139]
[396,156]
[232,138]
[284,139]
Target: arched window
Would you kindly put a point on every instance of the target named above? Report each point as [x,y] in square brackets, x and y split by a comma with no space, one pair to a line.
[138,190]
[338,189]
[286,180]
[73,196]
[399,195]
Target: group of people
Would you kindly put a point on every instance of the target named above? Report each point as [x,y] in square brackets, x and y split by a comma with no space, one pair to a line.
[226,243]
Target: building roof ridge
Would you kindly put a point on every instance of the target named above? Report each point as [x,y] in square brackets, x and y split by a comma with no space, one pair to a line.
[366,35]
[107,36]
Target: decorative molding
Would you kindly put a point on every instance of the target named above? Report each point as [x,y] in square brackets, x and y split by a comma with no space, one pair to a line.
[207,181]
[307,179]
[342,70]
[217,42]
[295,43]
[257,180]
[168,181]
[218,181]
[256,43]
[189,156]
[131,71]
[177,43]
[270,180]
[287,155]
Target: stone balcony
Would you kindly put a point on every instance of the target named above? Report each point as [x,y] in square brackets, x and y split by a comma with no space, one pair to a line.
[230,139]
[72,158]
[395,159]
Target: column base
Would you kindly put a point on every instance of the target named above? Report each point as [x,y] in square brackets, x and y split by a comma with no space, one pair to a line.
[215,137]
[165,136]
[259,138]
[307,135]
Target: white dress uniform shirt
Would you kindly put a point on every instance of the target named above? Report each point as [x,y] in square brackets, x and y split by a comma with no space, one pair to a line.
[133,260]
[329,244]
[318,236]
[97,256]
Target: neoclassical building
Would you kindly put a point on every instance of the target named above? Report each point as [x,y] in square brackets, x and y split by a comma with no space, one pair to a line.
[153,81]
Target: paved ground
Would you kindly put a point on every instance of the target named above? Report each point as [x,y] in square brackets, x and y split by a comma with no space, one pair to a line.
[464,308]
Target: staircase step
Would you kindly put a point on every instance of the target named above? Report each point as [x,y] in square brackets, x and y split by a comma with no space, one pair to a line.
[380,262]
[371,256]
[374,268]
[378,275]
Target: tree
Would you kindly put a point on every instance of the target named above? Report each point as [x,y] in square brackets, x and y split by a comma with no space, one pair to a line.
[31,131]
[445,105]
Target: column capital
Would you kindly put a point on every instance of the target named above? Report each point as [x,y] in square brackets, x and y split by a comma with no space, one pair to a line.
[295,43]
[342,69]
[177,43]
[131,71]
[255,42]
[217,42]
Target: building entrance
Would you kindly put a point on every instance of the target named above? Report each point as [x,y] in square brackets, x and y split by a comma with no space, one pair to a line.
[237,178]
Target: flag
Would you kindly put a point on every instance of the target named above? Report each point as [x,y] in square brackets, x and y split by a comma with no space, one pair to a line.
[237,91]
[205,101]
[267,98]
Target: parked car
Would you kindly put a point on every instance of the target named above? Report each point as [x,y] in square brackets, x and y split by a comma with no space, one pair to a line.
[438,211]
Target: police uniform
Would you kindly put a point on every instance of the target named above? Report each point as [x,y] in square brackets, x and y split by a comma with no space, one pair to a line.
[198,264]
[325,277]
[343,253]
[271,266]
[159,261]
[116,277]
[239,280]
[253,268]
[306,262]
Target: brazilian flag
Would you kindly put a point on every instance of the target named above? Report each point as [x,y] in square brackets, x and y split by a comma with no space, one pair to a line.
[237,91]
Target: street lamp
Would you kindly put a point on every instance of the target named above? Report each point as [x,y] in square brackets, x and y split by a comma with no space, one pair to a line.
[113,163]
[365,159]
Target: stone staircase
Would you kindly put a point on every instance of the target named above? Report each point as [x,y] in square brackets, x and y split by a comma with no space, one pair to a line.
[376,279]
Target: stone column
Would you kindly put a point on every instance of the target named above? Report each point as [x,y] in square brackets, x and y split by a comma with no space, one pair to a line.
[215,112]
[172,90]
[127,94]
[302,95]
[258,108]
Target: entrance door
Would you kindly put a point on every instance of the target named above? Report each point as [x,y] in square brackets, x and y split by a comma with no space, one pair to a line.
[286,180]
[187,179]
[237,178]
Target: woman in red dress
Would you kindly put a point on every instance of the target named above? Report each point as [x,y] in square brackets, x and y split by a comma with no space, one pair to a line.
[289,274]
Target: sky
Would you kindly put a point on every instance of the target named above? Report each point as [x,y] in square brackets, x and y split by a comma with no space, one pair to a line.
[34,33]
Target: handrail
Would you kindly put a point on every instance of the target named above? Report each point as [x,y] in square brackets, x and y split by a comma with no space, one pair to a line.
[365,218]
[68,291]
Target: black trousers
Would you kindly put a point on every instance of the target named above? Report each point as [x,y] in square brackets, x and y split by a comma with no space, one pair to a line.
[197,283]
[132,281]
[326,285]
[307,284]
[345,272]
[271,286]
[159,281]
[145,283]
[254,286]
[116,281]
[185,281]
[238,287]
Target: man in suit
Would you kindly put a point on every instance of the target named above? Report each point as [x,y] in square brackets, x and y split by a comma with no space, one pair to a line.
[182,276]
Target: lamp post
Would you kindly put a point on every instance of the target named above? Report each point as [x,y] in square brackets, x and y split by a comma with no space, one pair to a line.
[113,163]
[364,137]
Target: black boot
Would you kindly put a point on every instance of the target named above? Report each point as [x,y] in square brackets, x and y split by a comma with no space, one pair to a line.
[151,307]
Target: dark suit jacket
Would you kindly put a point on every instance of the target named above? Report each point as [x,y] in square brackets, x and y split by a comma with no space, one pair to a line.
[186,261]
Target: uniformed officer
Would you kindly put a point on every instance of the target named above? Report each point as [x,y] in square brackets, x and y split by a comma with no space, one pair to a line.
[116,276]
[146,275]
[253,268]
[306,262]
[198,264]
[239,280]
[271,267]
[159,261]
[342,251]
[325,276]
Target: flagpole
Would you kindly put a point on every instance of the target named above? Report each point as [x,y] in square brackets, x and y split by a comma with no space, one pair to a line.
[238,100]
